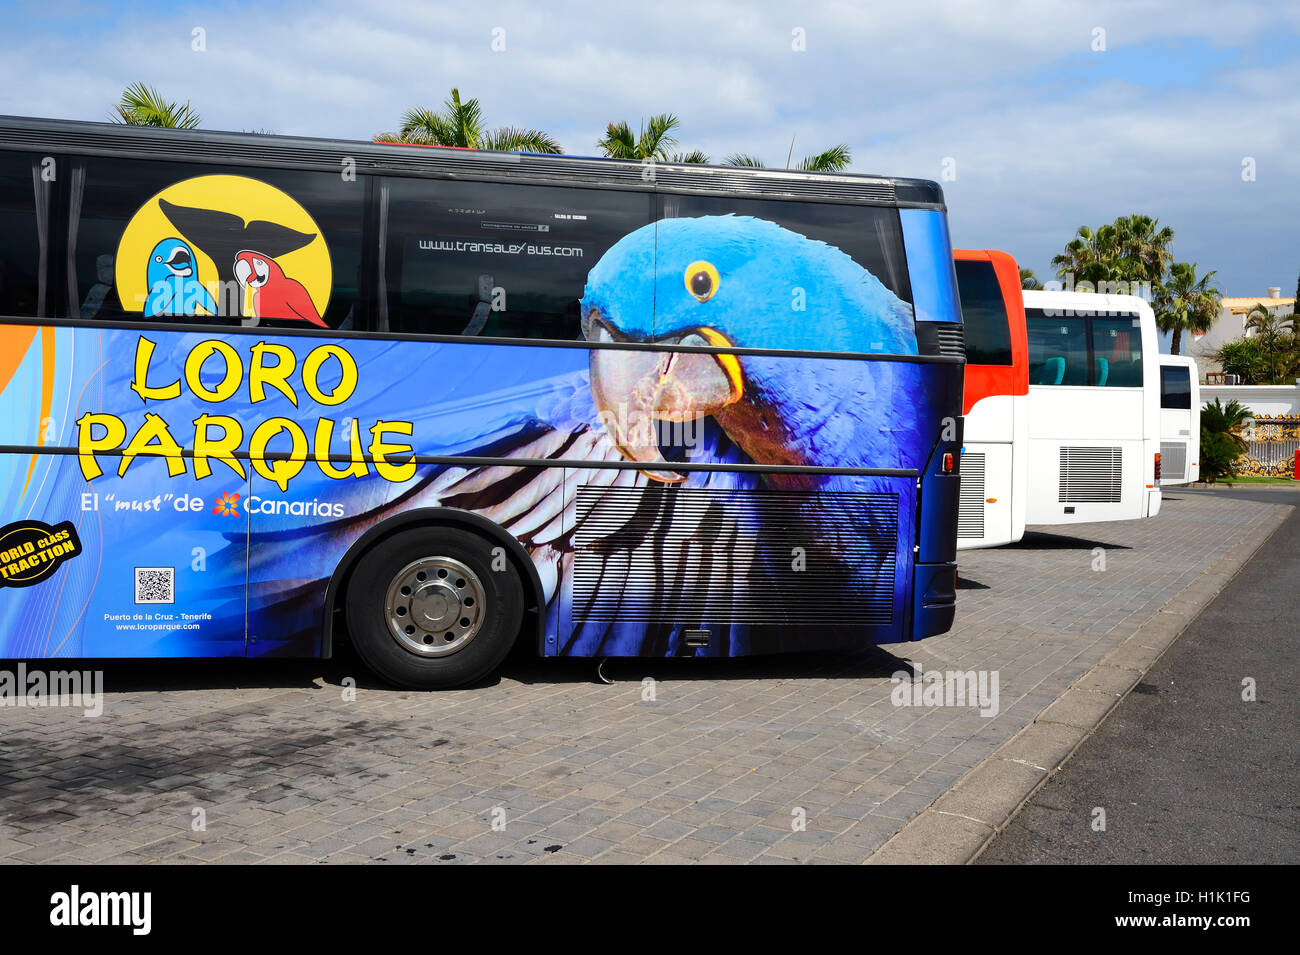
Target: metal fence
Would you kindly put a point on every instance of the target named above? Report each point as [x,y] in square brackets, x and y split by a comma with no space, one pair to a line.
[1271,444]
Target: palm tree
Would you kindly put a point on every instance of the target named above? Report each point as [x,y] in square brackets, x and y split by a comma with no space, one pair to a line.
[1132,249]
[834,159]
[1028,280]
[142,105]
[1269,328]
[1144,246]
[654,140]
[461,124]
[1186,301]
[1089,255]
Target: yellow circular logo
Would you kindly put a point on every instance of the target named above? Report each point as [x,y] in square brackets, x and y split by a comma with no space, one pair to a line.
[228,246]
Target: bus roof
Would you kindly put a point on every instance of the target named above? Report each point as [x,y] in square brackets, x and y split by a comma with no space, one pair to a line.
[303,152]
[1040,298]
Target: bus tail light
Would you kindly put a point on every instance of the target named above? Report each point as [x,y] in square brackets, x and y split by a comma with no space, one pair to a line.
[1157,467]
[947,463]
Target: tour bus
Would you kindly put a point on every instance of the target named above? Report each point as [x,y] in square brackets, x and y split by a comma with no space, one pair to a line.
[263,394]
[995,455]
[1094,408]
[1180,420]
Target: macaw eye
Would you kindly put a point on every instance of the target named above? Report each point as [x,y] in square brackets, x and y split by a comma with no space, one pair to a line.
[702,280]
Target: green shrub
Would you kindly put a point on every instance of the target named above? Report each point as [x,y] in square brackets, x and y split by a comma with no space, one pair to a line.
[1219,456]
[1221,447]
[1244,357]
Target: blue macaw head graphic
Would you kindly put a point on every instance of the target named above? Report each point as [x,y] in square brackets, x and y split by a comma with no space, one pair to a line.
[733,281]
[171,259]
[754,282]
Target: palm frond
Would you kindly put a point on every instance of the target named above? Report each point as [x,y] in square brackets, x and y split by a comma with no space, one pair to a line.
[829,160]
[694,157]
[618,142]
[143,105]
[512,139]
[424,126]
[656,139]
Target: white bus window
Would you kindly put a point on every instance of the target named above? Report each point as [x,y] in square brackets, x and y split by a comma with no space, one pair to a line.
[1058,349]
[1117,352]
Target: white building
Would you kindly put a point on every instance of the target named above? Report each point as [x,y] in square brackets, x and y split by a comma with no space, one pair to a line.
[1231,325]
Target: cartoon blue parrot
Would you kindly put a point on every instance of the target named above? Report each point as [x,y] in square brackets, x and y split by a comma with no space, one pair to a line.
[718,280]
[174,287]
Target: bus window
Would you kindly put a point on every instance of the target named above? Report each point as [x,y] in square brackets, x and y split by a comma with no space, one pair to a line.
[163,242]
[984,313]
[1175,388]
[23,232]
[1058,348]
[1117,351]
[496,259]
[871,236]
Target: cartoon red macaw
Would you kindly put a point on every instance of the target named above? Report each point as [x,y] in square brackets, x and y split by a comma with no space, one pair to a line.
[275,295]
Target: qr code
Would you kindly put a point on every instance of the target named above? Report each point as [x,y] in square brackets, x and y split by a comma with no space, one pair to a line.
[155,585]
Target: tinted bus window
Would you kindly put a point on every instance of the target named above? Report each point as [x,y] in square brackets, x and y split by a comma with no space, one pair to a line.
[173,242]
[984,313]
[1175,388]
[1117,352]
[872,236]
[495,259]
[1058,348]
[24,231]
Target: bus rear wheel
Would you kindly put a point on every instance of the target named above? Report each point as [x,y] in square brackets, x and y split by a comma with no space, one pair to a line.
[434,607]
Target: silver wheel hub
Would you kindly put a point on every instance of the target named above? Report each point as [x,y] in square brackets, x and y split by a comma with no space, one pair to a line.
[434,606]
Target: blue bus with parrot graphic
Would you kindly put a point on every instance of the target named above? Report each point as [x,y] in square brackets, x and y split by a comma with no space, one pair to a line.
[265,395]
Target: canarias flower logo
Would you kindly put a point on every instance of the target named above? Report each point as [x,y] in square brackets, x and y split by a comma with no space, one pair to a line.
[224,246]
[227,505]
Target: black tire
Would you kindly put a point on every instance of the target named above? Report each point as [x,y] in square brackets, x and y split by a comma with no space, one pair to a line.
[383,650]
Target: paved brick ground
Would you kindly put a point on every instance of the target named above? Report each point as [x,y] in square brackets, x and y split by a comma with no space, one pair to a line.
[713,769]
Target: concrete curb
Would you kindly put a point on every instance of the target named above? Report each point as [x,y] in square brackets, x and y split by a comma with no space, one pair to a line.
[955,828]
[1228,486]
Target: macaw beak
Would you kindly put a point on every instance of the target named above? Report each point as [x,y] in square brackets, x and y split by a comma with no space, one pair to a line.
[635,390]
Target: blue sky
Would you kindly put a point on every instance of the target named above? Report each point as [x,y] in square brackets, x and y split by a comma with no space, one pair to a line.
[1044,131]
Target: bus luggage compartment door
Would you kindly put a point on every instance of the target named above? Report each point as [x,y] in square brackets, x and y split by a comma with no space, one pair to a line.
[763,568]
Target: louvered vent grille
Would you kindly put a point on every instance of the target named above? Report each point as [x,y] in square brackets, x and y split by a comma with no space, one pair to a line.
[952,339]
[970,512]
[701,555]
[1173,460]
[1091,475]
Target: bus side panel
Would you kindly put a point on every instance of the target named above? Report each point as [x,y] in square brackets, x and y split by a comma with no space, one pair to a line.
[252,475]
[143,565]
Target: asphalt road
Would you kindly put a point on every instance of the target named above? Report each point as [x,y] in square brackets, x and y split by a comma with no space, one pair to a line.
[1186,771]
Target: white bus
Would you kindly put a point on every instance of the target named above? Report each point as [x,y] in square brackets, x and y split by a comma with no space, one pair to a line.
[1180,420]
[1094,408]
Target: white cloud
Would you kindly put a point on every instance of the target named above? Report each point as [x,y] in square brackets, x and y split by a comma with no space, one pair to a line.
[994,86]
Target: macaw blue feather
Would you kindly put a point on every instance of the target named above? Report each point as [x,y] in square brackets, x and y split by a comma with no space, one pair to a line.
[776,288]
